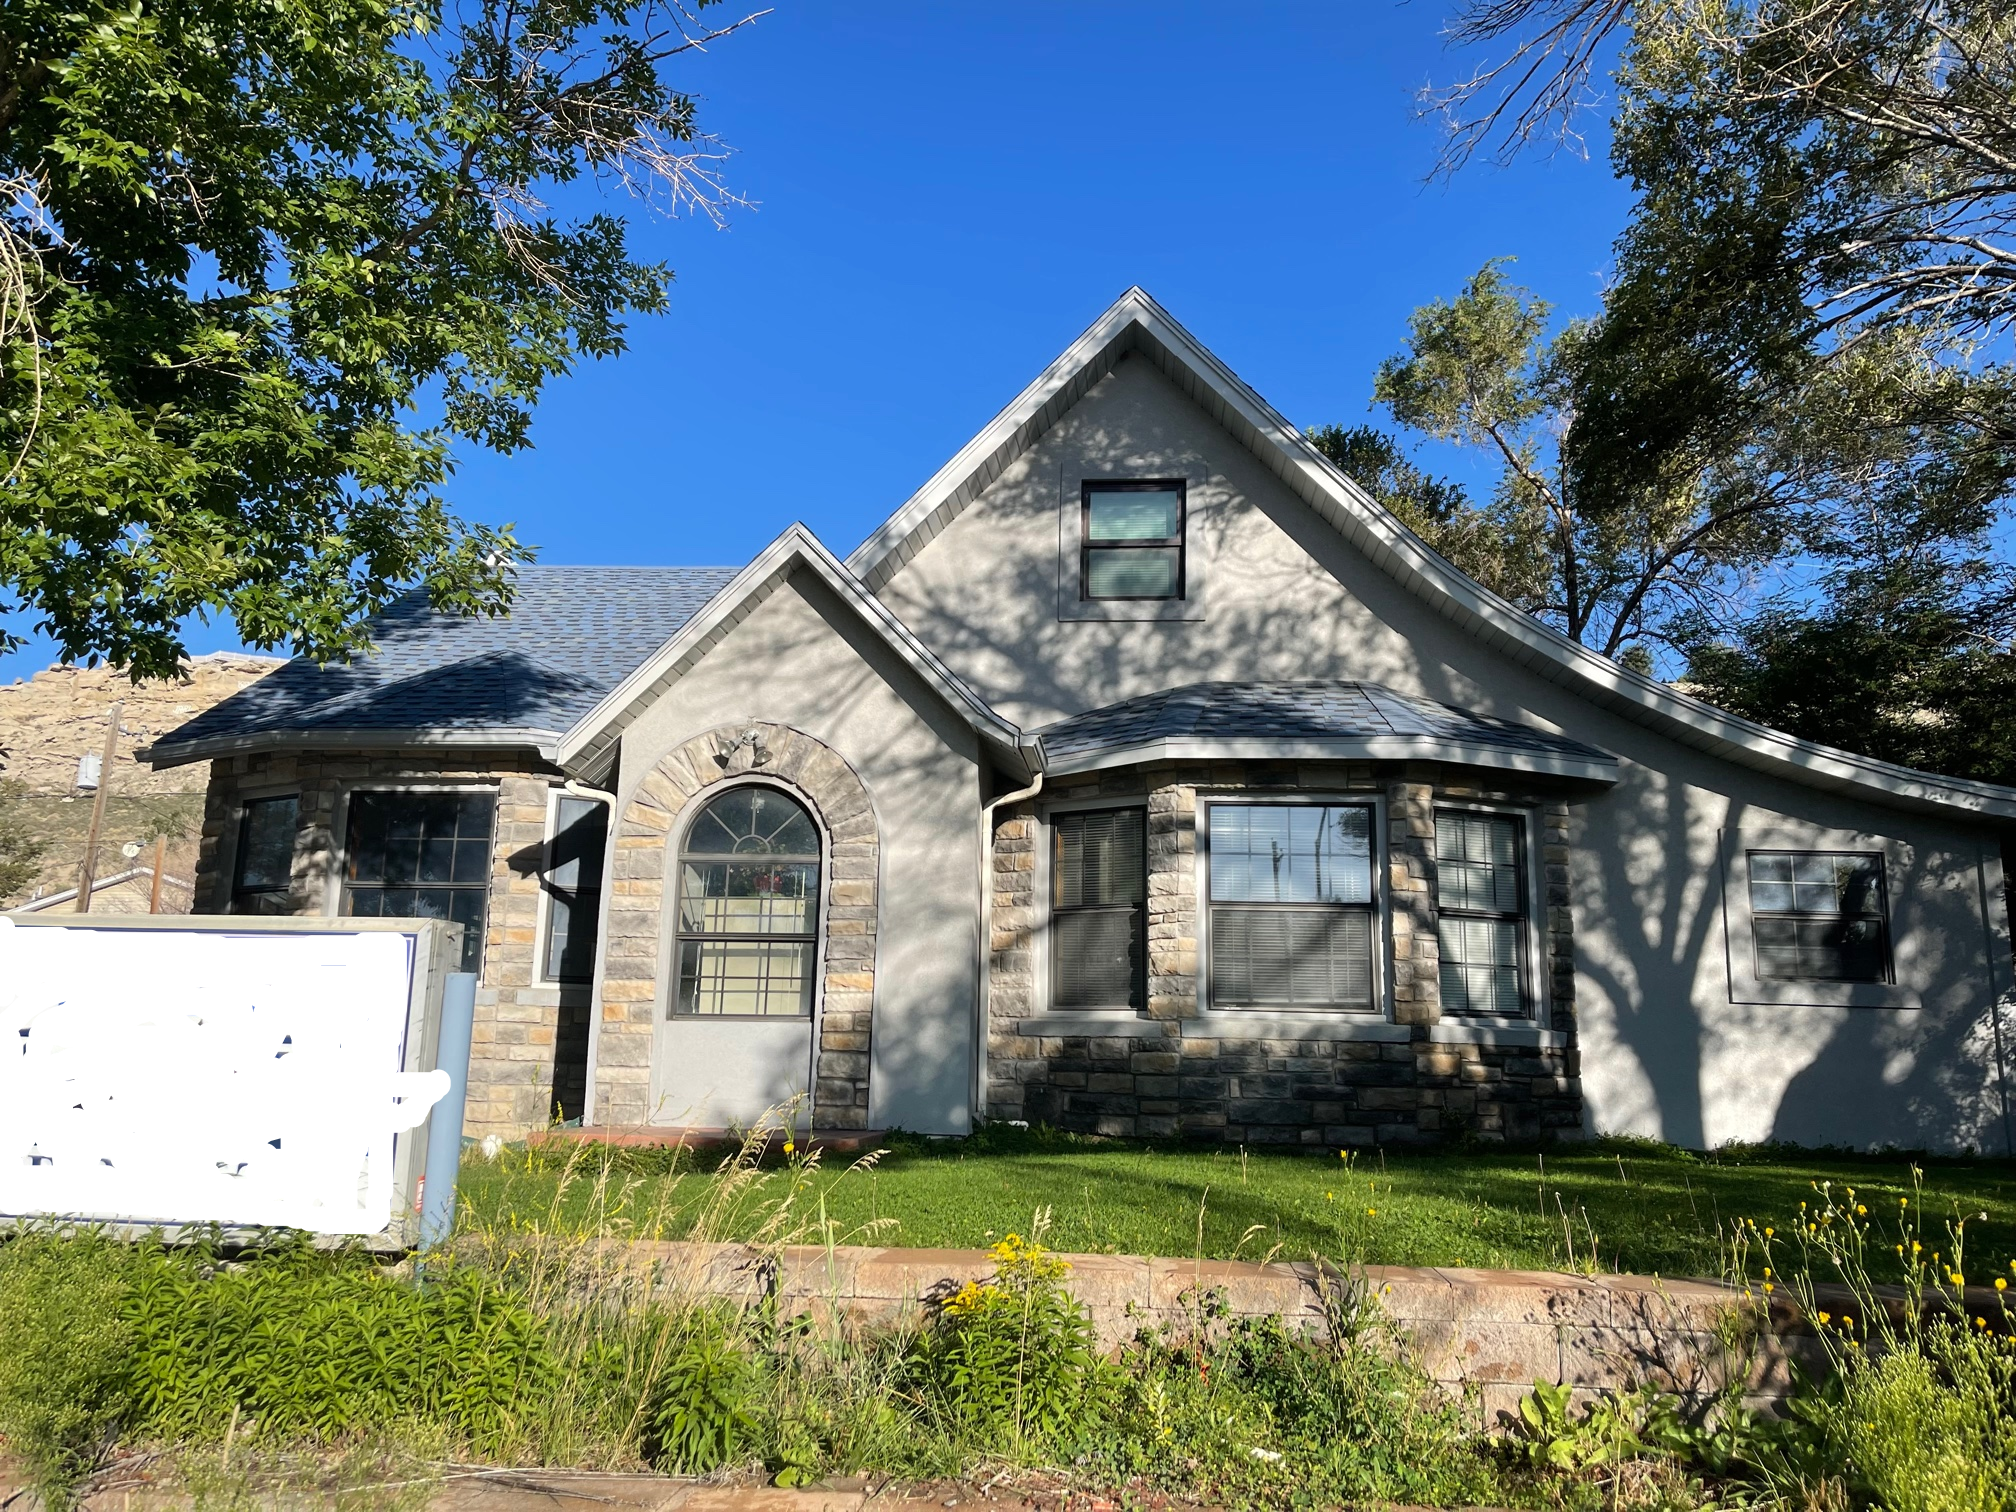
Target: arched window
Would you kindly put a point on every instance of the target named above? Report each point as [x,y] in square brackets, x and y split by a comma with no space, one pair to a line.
[748,907]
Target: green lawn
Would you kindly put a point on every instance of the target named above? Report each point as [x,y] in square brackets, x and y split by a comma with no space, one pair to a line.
[1626,1205]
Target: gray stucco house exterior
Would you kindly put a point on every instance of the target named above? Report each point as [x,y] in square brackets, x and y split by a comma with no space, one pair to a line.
[1142,776]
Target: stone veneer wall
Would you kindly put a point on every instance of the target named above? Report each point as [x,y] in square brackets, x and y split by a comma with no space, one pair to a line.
[634,960]
[1169,1072]
[529,1053]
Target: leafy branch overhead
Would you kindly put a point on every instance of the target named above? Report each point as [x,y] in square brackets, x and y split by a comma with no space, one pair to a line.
[272,263]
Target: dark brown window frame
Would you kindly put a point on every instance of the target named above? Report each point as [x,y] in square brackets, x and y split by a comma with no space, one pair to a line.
[246,899]
[1374,909]
[1137,988]
[1886,971]
[1522,919]
[1179,541]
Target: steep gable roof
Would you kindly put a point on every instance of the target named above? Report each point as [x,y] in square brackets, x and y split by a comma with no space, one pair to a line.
[588,744]
[1136,324]
[522,679]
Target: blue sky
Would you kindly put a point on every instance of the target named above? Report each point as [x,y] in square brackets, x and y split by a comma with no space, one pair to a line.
[949,193]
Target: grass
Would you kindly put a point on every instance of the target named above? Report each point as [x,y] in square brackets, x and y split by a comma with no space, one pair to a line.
[1612,1205]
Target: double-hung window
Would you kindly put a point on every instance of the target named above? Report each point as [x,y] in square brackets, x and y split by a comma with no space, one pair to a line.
[1819,916]
[1099,909]
[748,908]
[1131,540]
[573,883]
[421,856]
[1291,906]
[262,870]
[1480,898]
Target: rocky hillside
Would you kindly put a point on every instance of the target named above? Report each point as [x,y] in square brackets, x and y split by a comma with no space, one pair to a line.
[48,722]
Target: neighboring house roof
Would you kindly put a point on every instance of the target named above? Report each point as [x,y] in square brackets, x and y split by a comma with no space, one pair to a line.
[522,679]
[1310,721]
[588,744]
[1137,324]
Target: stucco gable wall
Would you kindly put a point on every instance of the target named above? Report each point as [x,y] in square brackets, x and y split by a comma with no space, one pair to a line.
[801,660]
[1665,1050]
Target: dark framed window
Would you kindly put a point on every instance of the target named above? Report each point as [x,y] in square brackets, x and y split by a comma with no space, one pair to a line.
[1131,540]
[263,867]
[1819,916]
[573,883]
[1291,906]
[1099,909]
[748,908]
[421,856]
[1480,899]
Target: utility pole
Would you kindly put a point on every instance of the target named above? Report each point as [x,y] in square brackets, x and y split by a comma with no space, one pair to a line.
[160,860]
[88,873]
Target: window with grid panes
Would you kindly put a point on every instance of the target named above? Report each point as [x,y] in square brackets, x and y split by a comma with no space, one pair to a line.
[421,856]
[264,865]
[1099,909]
[1819,916]
[1480,897]
[748,908]
[1291,906]
[1132,541]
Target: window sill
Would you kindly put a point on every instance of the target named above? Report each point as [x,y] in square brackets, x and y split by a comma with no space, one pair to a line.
[1241,1023]
[1094,1022]
[1511,1035]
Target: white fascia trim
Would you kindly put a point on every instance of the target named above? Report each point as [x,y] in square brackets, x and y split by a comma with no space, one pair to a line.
[1135,322]
[163,754]
[585,744]
[1367,748]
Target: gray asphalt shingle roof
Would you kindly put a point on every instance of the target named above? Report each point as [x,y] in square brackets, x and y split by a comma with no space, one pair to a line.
[1313,710]
[573,634]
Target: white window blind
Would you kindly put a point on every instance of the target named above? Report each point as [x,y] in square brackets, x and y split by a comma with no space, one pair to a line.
[1291,906]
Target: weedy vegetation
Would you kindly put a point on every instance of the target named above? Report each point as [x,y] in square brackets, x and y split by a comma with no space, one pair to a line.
[544,1336]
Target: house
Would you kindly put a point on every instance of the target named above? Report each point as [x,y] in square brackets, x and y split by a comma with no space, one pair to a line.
[1142,776]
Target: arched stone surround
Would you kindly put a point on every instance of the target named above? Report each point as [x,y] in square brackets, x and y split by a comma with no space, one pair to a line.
[635,960]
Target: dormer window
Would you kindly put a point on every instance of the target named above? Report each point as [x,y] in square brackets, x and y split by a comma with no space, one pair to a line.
[1131,543]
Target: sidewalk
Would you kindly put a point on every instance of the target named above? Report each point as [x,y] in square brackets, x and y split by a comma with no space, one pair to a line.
[509,1490]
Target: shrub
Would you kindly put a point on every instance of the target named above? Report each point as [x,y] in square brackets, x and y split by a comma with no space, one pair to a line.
[64,1342]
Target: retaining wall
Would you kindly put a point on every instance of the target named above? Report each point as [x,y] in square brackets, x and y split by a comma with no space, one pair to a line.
[1496,1331]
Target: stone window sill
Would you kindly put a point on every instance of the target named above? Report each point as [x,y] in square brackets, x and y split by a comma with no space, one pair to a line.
[1100,1025]
[1232,1023]
[1509,1035]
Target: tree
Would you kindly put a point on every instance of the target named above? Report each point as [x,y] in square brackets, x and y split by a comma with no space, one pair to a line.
[249,246]
[1907,661]
[1481,370]
[1809,320]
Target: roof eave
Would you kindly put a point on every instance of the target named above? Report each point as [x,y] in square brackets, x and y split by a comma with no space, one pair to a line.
[173,753]
[1593,768]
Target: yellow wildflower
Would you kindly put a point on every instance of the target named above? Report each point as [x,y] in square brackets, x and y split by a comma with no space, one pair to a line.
[2000,1284]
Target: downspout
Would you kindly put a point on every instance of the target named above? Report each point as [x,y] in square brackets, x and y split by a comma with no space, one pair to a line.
[608,800]
[1996,998]
[985,937]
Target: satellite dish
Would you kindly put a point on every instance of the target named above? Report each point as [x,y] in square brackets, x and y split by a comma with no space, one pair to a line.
[130,849]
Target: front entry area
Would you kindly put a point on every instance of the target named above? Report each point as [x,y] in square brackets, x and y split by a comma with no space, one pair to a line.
[736,1035]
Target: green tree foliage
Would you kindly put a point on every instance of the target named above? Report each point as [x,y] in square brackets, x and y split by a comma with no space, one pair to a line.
[266,265]
[1907,662]
[1481,370]
[1807,336]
